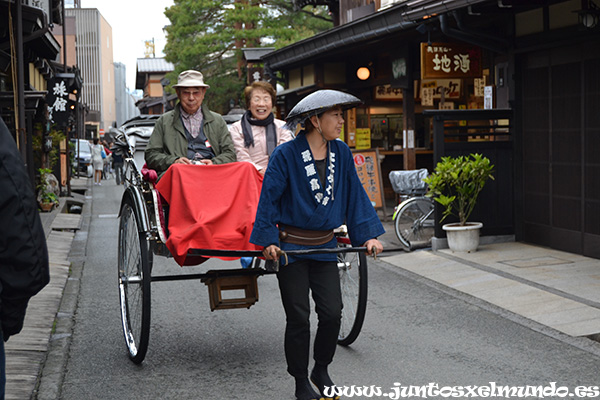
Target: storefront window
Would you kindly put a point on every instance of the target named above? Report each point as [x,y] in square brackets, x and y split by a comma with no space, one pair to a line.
[386,131]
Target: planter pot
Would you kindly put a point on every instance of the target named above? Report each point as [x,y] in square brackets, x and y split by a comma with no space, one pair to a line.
[46,207]
[463,239]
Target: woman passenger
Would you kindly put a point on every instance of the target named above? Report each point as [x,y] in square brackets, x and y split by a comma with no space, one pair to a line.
[257,134]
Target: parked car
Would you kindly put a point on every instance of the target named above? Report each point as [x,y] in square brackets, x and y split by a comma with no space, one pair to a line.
[82,159]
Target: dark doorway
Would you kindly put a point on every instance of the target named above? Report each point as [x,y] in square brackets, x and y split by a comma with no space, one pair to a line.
[560,143]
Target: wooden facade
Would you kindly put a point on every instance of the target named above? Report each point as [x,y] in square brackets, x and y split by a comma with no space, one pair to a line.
[537,60]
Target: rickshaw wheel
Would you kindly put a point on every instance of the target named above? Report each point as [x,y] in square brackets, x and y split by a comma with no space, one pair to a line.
[353,281]
[134,284]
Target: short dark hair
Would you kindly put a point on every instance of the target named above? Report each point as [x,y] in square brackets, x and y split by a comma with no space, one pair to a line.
[308,125]
[266,86]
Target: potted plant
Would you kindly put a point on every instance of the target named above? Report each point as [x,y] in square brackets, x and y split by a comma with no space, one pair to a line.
[47,199]
[456,184]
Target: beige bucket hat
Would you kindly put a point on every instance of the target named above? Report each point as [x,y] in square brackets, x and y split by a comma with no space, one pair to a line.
[191,78]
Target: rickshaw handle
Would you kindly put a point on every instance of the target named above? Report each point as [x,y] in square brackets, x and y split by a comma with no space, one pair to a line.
[258,253]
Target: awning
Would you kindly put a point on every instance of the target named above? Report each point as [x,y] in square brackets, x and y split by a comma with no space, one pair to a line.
[32,99]
[403,15]
[36,34]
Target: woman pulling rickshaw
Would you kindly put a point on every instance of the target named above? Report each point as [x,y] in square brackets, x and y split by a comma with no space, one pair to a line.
[310,188]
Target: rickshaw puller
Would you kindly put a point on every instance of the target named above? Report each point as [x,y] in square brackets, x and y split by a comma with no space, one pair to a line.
[310,188]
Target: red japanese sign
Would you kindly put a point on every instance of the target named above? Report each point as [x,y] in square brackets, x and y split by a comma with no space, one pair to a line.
[368,170]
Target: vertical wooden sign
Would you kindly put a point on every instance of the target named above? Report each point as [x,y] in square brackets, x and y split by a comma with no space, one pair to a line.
[367,166]
[350,137]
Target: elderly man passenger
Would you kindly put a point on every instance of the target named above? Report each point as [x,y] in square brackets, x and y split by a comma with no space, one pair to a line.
[257,134]
[190,132]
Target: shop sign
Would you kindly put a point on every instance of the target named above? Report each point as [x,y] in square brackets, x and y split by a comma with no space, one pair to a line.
[363,138]
[450,60]
[57,100]
[479,85]
[488,97]
[255,74]
[369,173]
[450,88]
[402,68]
[389,92]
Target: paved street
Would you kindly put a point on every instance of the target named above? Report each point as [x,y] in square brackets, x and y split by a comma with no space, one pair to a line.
[416,331]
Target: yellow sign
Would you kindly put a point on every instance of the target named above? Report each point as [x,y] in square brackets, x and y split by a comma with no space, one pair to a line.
[363,138]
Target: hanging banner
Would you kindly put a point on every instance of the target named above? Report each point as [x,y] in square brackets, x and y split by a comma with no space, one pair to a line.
[401,67]
[450,60]
[57,100]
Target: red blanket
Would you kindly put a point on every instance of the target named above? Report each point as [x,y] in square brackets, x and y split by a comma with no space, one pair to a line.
[210,207]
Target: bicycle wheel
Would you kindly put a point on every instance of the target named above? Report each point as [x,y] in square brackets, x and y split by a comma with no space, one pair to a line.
[353,281]
[414,223]
[134,262]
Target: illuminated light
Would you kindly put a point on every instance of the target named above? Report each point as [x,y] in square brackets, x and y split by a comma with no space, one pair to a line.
[363,73]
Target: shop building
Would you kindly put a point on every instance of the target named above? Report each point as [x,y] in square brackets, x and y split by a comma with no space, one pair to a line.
[516,80]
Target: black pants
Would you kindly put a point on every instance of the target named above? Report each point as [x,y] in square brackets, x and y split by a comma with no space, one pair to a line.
[118,172]
[295,280]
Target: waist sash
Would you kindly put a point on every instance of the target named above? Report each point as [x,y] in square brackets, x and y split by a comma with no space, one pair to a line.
[304,237]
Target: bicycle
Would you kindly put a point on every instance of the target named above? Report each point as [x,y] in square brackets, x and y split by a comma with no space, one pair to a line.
[413,217]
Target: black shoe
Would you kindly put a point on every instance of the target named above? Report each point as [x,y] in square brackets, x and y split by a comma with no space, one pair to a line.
[320,377]
[305,391]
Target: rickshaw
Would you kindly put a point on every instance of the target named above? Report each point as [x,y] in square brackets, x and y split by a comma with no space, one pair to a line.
[143,234]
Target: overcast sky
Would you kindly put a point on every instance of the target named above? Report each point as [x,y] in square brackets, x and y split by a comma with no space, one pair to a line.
[133,22]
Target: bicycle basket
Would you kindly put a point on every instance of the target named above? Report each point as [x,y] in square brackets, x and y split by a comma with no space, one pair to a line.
[409,182]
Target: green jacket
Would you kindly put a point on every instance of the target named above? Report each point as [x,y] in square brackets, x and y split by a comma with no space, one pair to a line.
[169,142]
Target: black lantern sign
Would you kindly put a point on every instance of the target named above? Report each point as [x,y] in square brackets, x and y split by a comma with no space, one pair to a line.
[58,101]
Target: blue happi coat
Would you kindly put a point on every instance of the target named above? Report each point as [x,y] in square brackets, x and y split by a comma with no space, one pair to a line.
[292,194]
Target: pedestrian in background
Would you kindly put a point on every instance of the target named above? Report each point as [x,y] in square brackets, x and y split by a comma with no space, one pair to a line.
[98,161]
[117,162]
[106,159]
[23,253]
[311,188]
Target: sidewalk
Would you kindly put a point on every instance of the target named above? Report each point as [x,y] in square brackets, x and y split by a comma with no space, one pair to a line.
[553,292]
[555,289]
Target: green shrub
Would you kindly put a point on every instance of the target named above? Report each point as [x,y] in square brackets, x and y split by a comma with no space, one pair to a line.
[457,182]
